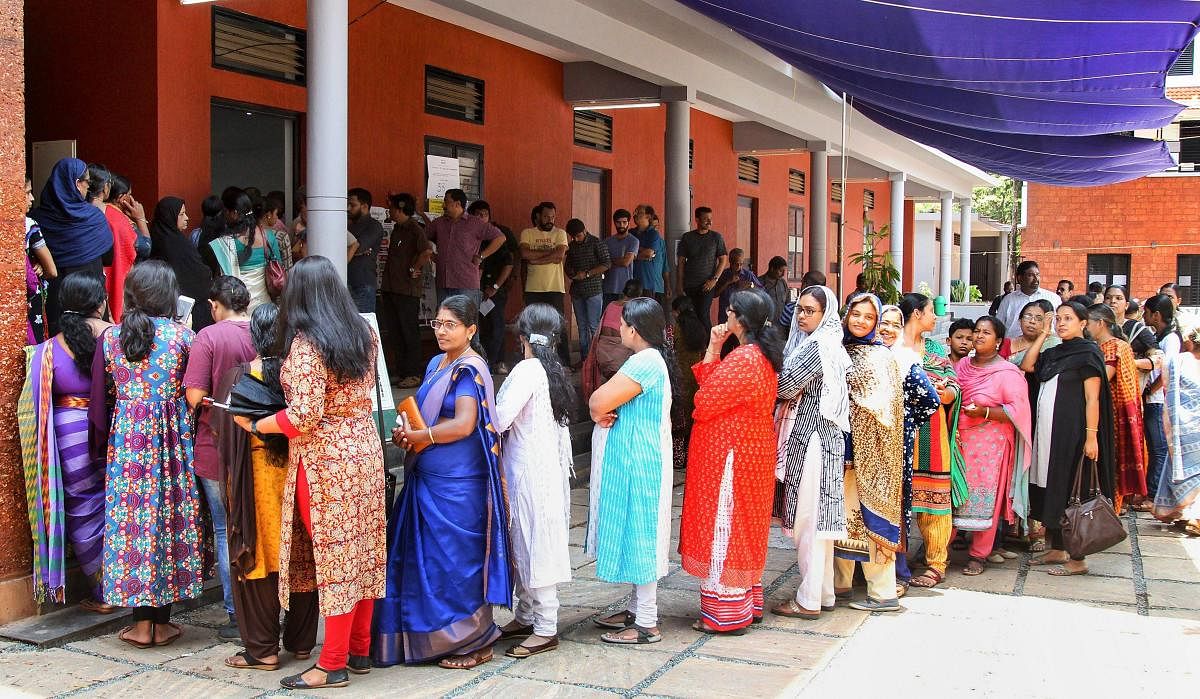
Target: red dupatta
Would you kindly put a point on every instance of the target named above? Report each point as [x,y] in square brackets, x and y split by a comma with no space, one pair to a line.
[124,255]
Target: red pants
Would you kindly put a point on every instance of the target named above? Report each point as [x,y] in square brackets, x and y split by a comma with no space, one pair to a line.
[345,634]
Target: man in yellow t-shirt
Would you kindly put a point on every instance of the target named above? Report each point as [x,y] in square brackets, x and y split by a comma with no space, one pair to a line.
[543,248]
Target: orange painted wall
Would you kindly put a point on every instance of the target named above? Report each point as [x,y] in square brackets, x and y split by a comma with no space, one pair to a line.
[1065,225]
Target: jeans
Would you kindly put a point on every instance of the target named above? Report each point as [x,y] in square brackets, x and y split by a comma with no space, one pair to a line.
[587,319]
[216,508]
[1156,447]
[444,292]
[492,326]
[702,301]
[399,318]
[554,299]
[364,298]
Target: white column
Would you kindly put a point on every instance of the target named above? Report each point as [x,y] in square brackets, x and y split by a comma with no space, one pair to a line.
[897,225]
[947,225]
[678,199]
[327,124]
[818,220]
[964,266]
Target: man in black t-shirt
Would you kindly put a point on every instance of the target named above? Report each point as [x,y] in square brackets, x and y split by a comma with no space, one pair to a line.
[362,274]
[701,259]
[494,274]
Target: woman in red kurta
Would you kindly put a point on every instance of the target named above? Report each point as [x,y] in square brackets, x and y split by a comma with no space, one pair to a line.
[731,464]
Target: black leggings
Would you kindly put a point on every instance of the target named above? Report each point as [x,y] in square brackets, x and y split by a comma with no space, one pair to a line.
[158,615]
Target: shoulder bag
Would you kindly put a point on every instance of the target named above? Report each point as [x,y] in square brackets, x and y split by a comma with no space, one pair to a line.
[1092,526]
[276,274]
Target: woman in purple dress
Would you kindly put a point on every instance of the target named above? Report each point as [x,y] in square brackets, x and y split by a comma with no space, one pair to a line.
[64,484]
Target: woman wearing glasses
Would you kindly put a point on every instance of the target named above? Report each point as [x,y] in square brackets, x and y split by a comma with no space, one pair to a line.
[448,549]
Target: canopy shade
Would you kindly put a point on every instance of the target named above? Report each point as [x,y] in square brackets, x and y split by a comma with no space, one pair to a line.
[1026,88]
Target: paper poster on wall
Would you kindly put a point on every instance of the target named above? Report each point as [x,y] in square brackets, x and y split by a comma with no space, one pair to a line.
[1185,281]
[1119,280]
[1097,279]
[443,175]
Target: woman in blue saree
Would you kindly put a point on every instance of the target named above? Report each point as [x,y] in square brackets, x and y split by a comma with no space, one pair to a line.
[448,535]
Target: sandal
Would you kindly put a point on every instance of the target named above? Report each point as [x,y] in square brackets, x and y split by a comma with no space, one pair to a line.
[930,578]
[644,636]
[96,607]
[626,621]
[170,639]
[524,651]
[902,588]
[249,662]
[1042,561]
[792,610]
[976,566]
[333,678]
[1063,571]
[140,645]
[701,626]
[468,661]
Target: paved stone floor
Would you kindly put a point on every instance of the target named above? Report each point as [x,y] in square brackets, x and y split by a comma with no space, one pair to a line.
[1133,624]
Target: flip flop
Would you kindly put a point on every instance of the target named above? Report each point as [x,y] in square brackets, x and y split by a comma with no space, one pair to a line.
[628,620]
[1063,571]
[251,662]
[170,639]
[470,660]
[136,644]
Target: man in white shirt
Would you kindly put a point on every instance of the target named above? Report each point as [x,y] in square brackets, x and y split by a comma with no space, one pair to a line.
[1029,282]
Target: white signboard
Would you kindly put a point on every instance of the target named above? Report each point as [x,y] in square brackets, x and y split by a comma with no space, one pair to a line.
[1185,281]
[1119,280]
[1101,278]
[443,175]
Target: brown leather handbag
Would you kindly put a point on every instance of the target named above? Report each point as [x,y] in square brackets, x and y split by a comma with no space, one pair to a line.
[1092,526]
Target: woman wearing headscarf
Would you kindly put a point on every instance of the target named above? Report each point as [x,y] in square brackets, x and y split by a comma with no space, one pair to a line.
[875,461]
[811,422]
[996,436]
[169,243]
[731,456]
[74,228]
[1071,376]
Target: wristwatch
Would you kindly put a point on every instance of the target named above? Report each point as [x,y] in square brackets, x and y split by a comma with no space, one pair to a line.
[496,287]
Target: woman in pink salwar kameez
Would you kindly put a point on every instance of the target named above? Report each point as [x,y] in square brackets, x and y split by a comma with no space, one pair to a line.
[995,431]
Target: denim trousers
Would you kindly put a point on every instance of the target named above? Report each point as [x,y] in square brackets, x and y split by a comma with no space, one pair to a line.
[1156,447]
[216,508]
[587,319]
[364,298]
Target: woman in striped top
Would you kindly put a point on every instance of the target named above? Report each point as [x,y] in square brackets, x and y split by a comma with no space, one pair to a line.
[630,523]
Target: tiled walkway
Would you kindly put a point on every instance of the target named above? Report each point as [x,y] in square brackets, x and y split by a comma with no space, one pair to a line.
[1133,624]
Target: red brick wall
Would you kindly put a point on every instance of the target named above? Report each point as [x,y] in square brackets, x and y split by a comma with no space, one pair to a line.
[1152,219]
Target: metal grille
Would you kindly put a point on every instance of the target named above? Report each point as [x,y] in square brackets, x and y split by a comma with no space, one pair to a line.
[796,181]
[748,169]
[835,190]
[868,199]
[1114,269]
[593,130]
[691,153]
[250,45]
[1188,279]
[453,96]
[470,163]
[1185,64]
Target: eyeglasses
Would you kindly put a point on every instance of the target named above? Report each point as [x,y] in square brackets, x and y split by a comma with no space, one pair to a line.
[807,312]
[448,325]
[890,324]
[1033,318]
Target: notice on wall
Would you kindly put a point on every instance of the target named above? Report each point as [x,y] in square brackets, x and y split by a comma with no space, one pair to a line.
[443,175]
[1119,280]
[1185,280]
[1097,278]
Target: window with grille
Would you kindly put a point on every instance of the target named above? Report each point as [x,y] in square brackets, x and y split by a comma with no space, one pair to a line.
[593,130]
[868,199]
[1114,269]
[691,153]
[795,256]
[1185,64]
[748,169]
[796,182]
[835,191]
[1189,142]
[1188,278]
[251,45]
[470,163]
[453,96]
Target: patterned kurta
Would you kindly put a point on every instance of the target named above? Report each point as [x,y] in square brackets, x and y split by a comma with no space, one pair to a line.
[331,431]
[1130,437]
[937,457]
[152,540]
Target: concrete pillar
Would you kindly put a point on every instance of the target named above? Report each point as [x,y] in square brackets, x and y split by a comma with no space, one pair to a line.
[16,590]
[678,194]
[328,91]
[945,270]
[897,225]
[818,220]
[964,266]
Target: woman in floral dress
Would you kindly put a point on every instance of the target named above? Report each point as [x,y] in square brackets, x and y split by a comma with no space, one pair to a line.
[152,542]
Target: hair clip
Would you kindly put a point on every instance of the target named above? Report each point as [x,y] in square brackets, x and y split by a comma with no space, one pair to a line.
[538,339]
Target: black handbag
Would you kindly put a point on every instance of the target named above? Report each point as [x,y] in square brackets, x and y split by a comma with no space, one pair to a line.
[254,399]
[1092,526]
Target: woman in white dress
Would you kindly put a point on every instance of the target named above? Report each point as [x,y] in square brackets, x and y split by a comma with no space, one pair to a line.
[532,407]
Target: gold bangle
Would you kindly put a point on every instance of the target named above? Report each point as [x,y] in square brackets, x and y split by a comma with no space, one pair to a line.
[1092,429]
[429,431]
[988,414]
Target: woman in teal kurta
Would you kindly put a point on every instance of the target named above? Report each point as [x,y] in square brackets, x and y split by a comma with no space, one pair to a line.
[630,524]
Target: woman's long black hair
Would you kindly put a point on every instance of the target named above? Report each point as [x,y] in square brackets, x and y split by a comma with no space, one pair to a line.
[692,334]
[212,226]
[910,302]
[1104,314]
[541,319]
[317,304]
[466,311]
[151,291]
[753,309]
[245,212]
[647,317]
[80,294]
[264,333]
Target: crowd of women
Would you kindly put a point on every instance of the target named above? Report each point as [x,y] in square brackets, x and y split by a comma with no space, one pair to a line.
[846,430]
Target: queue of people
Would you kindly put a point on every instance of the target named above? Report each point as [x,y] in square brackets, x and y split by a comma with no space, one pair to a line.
[846,426]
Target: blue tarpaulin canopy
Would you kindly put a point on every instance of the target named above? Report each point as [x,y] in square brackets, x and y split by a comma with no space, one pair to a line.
[1033,89]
